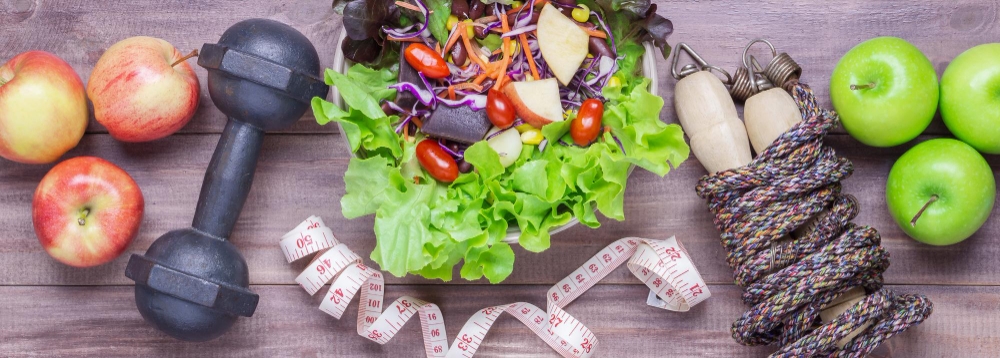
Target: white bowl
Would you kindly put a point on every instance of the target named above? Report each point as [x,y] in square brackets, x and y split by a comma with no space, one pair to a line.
[341,64]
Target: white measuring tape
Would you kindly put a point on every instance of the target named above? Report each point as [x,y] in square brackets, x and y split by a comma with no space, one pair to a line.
[663,265]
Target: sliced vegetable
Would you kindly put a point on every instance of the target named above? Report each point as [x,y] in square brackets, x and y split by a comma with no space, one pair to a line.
[425,60]
[507,144]
[436,161]
[587,124]
[459,124]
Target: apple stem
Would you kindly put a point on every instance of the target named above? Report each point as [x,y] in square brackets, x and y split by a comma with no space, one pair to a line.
[185,58]
[870,85]
[83,217]
[913,223]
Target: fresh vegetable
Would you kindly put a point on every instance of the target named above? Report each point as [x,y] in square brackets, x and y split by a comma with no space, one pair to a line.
[436,161]
[522,174]
[587,124]
[499,109]
[426,61]
[506,143]
[532,137]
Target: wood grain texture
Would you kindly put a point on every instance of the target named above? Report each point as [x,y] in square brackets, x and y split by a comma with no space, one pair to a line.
[49,309]
[815,33]
[287,324]
[302,175]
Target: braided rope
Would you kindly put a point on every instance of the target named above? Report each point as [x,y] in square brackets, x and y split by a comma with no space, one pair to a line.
[793,188]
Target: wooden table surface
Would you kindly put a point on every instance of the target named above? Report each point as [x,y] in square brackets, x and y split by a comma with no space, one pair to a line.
[50,309]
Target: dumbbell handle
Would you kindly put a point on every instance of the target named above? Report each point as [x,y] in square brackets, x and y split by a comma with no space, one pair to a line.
[228,179]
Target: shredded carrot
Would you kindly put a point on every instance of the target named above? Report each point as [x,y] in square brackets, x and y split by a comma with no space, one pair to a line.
[497,30]
[451,93]
[442,93]
[468,85]
[527,53]
[594,32]
[473,54]
[416,179]
[507,53]
[414,39]
[406,132]
[409,6]
[451,42]
[497,51]
[536,3]
[479,79]
[437,47]
[418,122]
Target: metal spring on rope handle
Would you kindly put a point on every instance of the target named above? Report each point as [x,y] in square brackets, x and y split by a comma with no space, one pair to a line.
[781,71]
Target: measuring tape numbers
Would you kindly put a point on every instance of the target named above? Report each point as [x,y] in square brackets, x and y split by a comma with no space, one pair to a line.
[662,265]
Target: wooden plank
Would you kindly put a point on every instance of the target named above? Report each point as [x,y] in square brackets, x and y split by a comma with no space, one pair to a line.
[816,34]
[300,175]
[80,32]
[102,321]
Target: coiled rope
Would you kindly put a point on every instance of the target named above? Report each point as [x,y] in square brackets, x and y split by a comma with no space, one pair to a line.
[795,184]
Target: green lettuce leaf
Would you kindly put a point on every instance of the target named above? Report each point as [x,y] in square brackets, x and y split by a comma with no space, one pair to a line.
[438,22]
[367,186]
[495,262]
[402,226]
[648,142]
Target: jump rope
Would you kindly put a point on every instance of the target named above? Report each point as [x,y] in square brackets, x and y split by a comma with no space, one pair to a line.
[812,278]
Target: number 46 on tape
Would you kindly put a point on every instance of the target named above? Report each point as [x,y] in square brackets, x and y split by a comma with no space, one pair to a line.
[663,265]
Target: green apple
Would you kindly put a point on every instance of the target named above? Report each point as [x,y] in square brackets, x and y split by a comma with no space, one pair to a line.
[885,90]
[970,97]
[940,191]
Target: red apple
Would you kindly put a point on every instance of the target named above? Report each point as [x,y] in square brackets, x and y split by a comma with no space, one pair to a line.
[86,211]
[143,89]
[43,108]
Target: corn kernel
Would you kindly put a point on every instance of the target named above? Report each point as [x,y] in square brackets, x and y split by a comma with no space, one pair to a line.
[614,81]
[532,137]
[524,128]
[470,29]
[452,21]
[581,13]
[516,4]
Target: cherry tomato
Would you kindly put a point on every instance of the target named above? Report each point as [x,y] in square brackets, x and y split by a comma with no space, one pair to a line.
[425,60]
[499,109]
[587,124]
[436,161]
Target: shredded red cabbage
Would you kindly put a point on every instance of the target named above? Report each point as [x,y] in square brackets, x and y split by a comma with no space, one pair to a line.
[425,97]
[453,153]
[401,33]
[477,102]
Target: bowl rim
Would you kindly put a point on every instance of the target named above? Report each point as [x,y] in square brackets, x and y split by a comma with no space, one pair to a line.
[341,64]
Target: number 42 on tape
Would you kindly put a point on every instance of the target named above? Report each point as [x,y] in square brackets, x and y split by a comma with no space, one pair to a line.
[663,265]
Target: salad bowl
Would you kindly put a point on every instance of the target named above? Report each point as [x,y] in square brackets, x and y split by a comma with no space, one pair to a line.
[474,129]
[341,64]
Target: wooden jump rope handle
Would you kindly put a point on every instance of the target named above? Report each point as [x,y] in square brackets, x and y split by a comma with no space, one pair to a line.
[721,141]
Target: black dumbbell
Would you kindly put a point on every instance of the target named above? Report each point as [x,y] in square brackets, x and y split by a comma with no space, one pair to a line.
[192,283]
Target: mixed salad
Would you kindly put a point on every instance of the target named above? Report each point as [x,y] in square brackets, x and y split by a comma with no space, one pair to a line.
[468,118]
